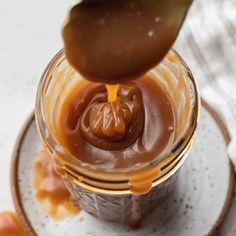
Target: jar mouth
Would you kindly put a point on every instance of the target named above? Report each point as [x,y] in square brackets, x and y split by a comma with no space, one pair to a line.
[69,165]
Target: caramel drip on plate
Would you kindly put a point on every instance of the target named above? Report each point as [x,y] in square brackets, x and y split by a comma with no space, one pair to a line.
[10,224]
[50,190]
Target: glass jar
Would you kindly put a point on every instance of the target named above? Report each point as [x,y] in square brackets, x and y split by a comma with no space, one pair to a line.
[108,194]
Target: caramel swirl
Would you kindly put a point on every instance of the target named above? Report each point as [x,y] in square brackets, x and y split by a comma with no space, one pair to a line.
[113,125]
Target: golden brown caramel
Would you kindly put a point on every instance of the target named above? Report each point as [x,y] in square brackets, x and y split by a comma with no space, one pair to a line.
[10,225]
[50,189]
[113,41]
[142,183]
[113,125]
[135,129]
[112,90]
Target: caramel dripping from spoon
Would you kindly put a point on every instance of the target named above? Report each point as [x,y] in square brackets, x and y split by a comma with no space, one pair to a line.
[112,90]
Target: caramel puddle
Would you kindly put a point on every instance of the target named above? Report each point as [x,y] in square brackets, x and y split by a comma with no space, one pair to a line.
[10,224]
[50,190]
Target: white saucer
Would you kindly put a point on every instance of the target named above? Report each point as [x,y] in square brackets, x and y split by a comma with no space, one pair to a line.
[197,207]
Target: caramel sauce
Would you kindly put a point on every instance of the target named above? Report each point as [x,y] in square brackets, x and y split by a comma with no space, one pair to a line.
[10,225]
[113,125]
[112,90]
[115,41]
[146,113]
[141,183]
[50,190]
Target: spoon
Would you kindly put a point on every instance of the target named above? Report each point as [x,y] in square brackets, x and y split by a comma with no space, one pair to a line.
[112,41]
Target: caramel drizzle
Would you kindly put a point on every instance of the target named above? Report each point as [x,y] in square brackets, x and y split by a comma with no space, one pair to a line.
[112,90]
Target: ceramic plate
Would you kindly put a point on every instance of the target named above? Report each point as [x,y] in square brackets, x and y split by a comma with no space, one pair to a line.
[197,207]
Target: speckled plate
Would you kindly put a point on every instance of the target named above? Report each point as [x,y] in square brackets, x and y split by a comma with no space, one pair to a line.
[197,207]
